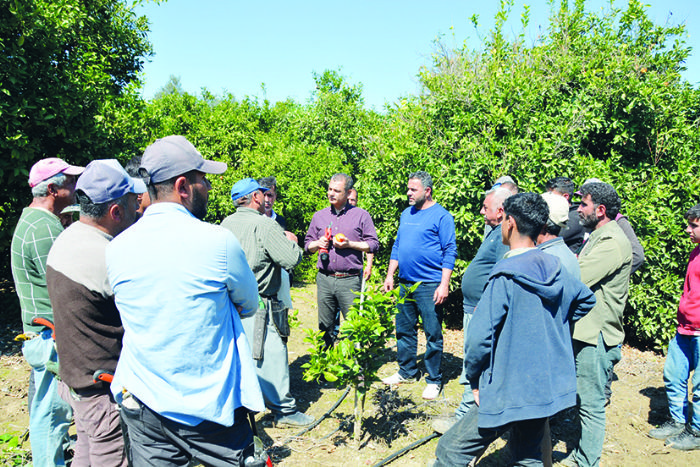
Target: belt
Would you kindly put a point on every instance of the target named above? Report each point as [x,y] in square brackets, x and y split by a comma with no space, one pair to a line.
[339,274]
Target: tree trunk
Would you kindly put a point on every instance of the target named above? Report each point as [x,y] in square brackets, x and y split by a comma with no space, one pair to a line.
[359,412]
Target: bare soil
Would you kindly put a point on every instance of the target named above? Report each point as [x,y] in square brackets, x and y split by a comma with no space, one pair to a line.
[397,417]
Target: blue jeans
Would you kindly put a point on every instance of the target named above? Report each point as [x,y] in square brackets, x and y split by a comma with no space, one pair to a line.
[468,396]
[419,302]
[50,416]
[682,358]
[465,441]
[593,362]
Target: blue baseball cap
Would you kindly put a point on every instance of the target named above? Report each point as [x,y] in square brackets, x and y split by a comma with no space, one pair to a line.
[106,180]
[245,187]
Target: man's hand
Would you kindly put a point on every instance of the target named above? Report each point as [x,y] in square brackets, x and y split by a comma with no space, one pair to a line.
[322,243]
[476,396]
[367,272]
[388,284]
[441,293]
[341,243]
[291,236]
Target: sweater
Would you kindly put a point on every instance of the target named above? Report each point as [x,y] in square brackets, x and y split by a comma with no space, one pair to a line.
[689,307]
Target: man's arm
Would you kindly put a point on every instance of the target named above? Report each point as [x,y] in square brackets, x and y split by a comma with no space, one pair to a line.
[443,289]
[282,251]
[368,269]
[490,312]
[240,280]
[637,248]
[314,236]
[389,281]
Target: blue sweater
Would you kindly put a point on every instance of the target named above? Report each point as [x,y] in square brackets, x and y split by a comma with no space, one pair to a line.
[425,244]
[519,352]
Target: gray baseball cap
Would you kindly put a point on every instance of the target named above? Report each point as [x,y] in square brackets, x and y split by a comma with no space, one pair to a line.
[106,180]
[172,156]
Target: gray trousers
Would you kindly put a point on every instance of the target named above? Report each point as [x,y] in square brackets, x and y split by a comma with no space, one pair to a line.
[333,294]
[273,369]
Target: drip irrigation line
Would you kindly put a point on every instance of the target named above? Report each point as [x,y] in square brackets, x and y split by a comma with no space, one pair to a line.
[319,420]
[403,451]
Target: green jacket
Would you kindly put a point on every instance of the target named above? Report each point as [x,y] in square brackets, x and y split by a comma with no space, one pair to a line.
[266,247]
[606,264]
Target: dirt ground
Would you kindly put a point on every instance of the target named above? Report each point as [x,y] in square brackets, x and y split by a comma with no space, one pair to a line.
[395,418]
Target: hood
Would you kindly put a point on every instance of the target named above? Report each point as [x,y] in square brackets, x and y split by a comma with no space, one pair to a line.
[533,270]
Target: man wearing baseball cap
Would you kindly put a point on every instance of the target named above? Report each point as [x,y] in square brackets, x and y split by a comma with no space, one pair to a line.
[88,328]
[269,250]
[52,182]
[549,240]
[185,379]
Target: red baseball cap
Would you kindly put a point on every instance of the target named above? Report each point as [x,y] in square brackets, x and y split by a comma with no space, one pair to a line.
[47,168]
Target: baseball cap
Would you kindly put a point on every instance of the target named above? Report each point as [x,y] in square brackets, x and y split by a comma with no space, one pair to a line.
[590,180]
[106,180]
[172,156]
[558,208]
[245,187]
[47,168]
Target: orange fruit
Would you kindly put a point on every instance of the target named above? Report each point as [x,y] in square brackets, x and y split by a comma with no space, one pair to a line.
[340,237]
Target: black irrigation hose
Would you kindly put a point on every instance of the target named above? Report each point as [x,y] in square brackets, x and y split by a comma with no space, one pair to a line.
[319,420]
[403,451]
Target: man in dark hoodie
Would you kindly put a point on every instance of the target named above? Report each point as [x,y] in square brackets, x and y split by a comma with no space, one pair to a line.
[519,358]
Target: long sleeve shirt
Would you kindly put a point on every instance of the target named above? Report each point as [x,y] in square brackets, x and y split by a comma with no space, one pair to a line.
[353,222]
[177,282]
[689,307]
[425,244]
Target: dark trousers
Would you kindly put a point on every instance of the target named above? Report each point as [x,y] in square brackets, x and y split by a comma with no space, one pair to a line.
[465,441]
[333,294]
[158,441]
[420,302]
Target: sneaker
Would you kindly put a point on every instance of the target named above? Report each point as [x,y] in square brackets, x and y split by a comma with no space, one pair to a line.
[431,391]
[568,460]
[688,440]
[668,429]
[442,424]
[294,419]
[395,379]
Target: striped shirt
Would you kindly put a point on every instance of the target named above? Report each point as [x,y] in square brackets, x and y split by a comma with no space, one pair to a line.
[34,235]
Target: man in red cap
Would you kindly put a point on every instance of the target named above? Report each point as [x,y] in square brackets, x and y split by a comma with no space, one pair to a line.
[53,184]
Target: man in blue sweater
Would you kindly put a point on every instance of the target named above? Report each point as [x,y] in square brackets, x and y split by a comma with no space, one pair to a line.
[519,359]
[425,251]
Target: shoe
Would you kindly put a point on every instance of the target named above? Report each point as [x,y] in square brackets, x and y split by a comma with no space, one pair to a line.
[442,424]
[294,419]
[688,440]
[668,429]
[431,391]
[395,379]
[568,460]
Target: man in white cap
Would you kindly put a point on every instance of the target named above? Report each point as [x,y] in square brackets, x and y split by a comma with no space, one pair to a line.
[549,240]
[52,182]
[89,329]
[269,251]
[185,380]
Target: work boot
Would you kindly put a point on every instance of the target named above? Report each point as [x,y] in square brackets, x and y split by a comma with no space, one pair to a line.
[294,419]
[688,440]
[668,429]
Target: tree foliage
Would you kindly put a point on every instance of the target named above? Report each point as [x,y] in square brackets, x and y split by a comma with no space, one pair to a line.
[68,87]
[599,95]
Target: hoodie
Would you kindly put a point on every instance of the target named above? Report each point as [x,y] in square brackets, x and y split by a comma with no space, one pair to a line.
[519,351]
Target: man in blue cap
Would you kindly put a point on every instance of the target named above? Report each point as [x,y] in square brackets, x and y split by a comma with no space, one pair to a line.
[268,250]
[89,330]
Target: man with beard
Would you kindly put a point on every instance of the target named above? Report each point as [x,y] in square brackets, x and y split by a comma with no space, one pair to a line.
[185,380]
[606,262]
[340,258]
[425,251]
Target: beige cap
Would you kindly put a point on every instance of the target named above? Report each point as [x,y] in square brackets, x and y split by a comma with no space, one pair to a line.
[558,208]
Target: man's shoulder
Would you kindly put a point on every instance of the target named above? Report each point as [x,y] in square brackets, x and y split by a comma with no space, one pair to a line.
[33,219]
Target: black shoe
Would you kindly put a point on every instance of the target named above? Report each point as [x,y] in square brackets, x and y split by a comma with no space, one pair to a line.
[668,429]
[688,440]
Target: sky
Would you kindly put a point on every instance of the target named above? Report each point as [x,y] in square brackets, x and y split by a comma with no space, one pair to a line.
[269,49]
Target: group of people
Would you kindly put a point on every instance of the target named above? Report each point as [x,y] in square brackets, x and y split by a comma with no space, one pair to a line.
[192,318]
